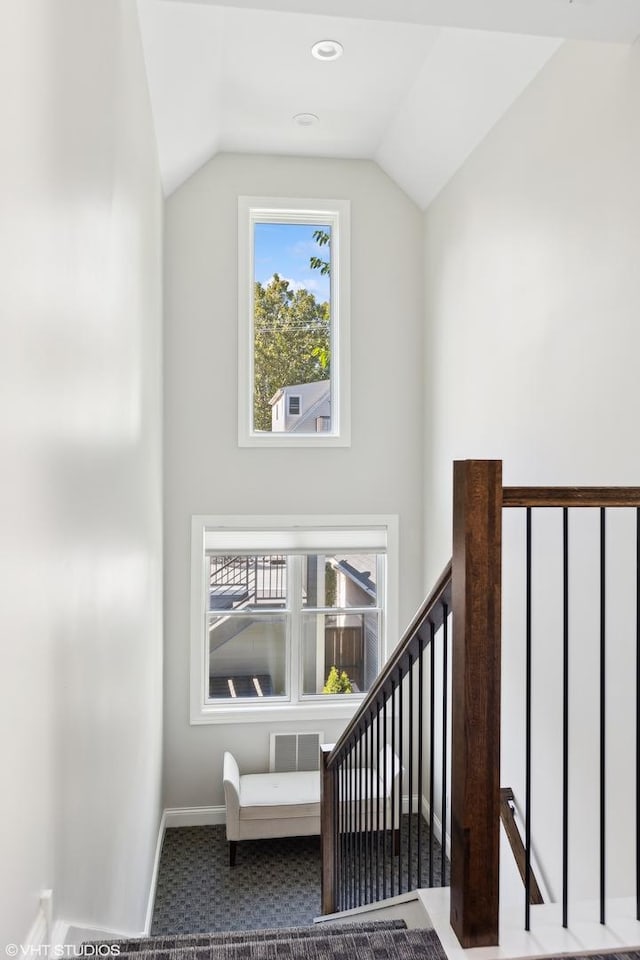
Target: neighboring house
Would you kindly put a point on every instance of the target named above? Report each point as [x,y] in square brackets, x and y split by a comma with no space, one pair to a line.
[494,313]
[302,408]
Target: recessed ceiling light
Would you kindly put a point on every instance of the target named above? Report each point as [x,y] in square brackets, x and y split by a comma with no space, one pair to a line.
[327,50]
[305,119]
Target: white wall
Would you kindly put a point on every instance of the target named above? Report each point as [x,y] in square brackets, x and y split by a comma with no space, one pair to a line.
[205,470]
[532,303]
[80,483]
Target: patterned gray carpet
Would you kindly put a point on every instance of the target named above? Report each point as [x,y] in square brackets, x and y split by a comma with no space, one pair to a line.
[369,941]
[275,883]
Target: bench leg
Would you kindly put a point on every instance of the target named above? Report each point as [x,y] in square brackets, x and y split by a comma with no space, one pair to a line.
[232,852]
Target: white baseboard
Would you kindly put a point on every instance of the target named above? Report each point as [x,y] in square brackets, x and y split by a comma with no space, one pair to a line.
[37,935]
[77,933]
[106,933]
[437,827]
[154,875]
[177,817]
[194,816]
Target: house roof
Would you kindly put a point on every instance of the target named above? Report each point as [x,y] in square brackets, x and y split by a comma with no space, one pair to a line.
[358,567]
[300,388]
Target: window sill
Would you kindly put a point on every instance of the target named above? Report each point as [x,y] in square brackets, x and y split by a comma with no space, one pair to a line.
[278,712]
[294,440]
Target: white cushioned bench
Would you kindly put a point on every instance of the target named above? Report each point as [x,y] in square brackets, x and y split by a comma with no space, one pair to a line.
[264,805]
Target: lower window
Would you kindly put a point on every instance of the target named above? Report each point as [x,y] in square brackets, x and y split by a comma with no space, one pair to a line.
[288,617]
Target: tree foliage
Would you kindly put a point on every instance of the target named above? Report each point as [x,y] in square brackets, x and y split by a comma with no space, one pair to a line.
[323,239]
[337,682]
[292,342]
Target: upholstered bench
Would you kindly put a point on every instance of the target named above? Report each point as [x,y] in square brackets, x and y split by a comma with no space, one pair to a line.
[264,805]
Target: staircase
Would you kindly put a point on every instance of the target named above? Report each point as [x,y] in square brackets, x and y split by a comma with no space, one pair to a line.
[381,940]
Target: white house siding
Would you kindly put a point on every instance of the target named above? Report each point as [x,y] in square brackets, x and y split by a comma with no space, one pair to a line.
[80,483]
[315,401]
[531,355]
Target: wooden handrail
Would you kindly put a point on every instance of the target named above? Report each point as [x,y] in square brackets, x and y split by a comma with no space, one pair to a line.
[571,496]
[515,842]
[431,612]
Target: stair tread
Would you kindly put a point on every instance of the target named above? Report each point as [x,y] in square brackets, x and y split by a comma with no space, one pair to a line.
[165,941]
[383,943]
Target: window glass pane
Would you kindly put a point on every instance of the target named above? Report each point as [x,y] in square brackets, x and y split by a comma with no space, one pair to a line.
[292,328]
[247,656]
[247,582]
[348,642]
[340,580]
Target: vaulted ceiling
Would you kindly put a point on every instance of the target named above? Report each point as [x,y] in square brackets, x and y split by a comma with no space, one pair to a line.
[419,85]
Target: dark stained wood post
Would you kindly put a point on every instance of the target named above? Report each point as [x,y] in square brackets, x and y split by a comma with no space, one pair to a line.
[328,814]
[475,745]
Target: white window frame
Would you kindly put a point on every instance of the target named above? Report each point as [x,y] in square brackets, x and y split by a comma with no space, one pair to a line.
[336,214]
[266,533]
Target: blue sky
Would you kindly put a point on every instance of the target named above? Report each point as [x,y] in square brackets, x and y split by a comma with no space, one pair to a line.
[285,249]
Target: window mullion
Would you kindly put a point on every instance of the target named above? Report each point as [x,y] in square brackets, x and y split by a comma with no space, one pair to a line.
[294,607]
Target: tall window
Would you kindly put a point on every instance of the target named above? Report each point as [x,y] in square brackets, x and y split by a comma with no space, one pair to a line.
[293,322]
[293,617]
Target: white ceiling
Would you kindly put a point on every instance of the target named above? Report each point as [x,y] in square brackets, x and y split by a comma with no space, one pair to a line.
[420,84]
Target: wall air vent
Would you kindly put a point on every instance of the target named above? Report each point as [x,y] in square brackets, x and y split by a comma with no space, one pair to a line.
[294,751]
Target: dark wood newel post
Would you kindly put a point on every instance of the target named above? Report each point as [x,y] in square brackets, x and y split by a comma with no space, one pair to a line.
[327,831]
[475,745]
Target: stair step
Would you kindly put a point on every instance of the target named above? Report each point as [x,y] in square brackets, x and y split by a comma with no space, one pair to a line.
[186,940]
[385,942]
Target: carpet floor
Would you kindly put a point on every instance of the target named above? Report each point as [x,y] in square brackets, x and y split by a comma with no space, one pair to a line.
[275,883]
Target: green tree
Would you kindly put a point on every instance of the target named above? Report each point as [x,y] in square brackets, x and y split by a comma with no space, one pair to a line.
[323,239]
[292,342]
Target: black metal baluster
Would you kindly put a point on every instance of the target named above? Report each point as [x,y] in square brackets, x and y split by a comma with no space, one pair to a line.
[527,773]
[410,681]
[445,699]
[354,836]
[343,874]
[354,849]
[352,852]
[393,791]
[400,739]
[370,814]
[367,817]
[384,794]
[432,705]
[378,772]
[602,709]
[338,837]
[358,792]
[638,713]
[363,814]
[565,716]
[420,757]
[345,836]
[362,780]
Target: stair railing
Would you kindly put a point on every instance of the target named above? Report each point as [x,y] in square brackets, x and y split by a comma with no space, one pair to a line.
[371,850]
[398,746]
[466,605]
[553,527]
